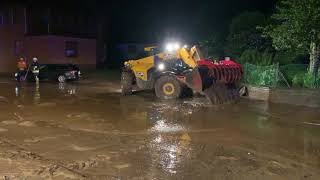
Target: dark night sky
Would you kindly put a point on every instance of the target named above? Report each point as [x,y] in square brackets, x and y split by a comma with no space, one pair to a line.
[154,20]
[142,20]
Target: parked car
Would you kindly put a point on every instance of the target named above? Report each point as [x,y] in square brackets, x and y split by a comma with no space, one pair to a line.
[54,72]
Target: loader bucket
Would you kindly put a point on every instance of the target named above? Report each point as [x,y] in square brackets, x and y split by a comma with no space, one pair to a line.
[216,81]
[194,80]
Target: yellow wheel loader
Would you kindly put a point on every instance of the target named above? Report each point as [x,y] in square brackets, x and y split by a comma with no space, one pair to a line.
[178,71]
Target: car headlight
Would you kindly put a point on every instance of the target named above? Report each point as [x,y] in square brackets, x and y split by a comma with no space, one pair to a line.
[15,74]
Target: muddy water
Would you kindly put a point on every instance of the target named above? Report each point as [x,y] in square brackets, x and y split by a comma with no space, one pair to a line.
[88,130]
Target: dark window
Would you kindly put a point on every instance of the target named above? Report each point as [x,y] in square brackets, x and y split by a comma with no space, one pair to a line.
[12,16]
[1,19]
[18,48]
[71,49]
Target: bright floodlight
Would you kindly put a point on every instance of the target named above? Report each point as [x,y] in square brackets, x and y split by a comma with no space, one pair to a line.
[161,67]
[169,47]
[176,46]
[172,46]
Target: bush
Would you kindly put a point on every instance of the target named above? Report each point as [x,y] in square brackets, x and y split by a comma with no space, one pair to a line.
[260,75]
[269,57]
[294,71]
[305,80]
[255,57]
[286,57]
[309,81]
[298,80]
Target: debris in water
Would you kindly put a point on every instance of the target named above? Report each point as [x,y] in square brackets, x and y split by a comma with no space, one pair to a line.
[47,104]
[122,166]
[20,118]
[3,100]
[9,122]
[228,158]
[310,123]
[3,130]
[78,148]
[27,124]
[185,137]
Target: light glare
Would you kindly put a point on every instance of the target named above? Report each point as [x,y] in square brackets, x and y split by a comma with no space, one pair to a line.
[161,67]
[176,46]
[169,47]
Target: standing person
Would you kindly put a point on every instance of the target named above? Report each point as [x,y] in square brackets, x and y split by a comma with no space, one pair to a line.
[35,68]
[22,68]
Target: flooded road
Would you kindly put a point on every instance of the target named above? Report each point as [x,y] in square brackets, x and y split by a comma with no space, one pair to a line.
[87,130]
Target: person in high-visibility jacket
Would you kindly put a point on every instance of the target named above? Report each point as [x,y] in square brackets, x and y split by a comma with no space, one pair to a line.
[35,68]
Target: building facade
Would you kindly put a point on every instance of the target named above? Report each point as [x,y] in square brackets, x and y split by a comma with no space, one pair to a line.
[19,38]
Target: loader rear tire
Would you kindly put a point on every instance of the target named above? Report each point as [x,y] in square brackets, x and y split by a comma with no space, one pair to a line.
[126,83]
[168,87]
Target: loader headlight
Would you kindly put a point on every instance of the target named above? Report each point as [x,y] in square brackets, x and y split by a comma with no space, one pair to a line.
[172,46]
[176,46]
[161,67]
[169,47]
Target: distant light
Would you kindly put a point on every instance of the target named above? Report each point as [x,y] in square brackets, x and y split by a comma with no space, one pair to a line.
[161,67]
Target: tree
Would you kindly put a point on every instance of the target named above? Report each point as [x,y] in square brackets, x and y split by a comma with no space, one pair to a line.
[253,56]
[296,27]
[212,46]
[243,33]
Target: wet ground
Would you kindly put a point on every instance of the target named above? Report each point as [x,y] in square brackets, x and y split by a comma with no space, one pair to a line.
[87,130]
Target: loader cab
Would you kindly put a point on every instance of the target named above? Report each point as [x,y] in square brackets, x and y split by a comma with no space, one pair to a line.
[151,51]
[196,54]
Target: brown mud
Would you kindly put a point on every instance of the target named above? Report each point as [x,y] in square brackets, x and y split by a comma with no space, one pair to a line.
[87,130]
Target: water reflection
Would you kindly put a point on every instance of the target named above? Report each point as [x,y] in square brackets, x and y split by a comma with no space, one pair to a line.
[164,126]
[17,90]
[169,151]
[37,95]
[34,93]
[67,88]
[170,147]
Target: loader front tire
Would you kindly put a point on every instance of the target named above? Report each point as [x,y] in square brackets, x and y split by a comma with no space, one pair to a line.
[126,82]
[168,87]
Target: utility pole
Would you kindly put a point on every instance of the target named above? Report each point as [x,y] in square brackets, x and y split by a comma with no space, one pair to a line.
[25,21]
[49,19]
[12,15]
